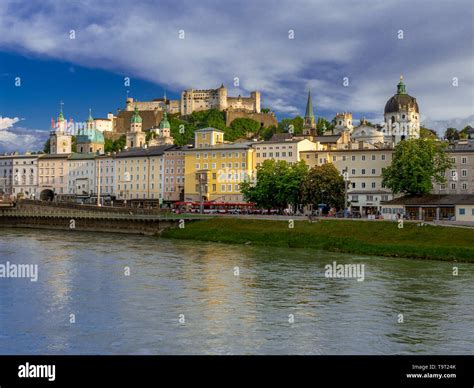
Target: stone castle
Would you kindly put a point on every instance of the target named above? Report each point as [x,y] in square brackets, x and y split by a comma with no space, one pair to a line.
[192,100]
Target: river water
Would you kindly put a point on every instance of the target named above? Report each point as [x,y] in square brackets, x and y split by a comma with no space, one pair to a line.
[126,294]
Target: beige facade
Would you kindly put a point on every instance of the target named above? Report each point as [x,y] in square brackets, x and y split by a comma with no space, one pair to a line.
[53,171]
[363,168]
[465,213]
[460,179]
[139,173]
[286,150]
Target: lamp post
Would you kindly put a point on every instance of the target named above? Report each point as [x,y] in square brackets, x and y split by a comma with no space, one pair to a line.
[345,175]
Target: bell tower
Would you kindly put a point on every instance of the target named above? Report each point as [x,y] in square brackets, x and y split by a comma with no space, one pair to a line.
[60,141]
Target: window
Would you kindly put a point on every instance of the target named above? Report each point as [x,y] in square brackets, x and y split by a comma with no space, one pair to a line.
[363,185]
[373,171]
[370,198]
[334,158]
[373,185]
[453,186]
[462,211]
[464,172]
[363,171]
[363,157]
[382,157]
[353,158]
[464,160]
[464,186]
[353,171]
[373,157]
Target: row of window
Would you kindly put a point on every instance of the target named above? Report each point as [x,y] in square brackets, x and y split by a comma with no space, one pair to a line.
[223,155]
[205,166]
[277,154]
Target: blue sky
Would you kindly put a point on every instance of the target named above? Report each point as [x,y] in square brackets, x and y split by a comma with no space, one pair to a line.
[245,39]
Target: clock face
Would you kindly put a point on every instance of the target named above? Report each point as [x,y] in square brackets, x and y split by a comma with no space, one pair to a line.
[64,143]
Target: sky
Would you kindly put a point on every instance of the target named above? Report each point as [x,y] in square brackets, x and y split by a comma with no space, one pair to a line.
[80,52]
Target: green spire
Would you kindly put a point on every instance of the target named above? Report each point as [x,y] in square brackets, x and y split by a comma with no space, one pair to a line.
[90,118]
[136,117]
[61,116]
[401,86]
[164,123]
[309,108]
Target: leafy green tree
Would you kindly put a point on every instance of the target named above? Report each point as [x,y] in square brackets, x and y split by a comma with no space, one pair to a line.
[47,146]
[426,133]
[277,184]
[73,143]
[241,127]
[296,123]
[451,134]
[416,164]
[323,126]
[323,184]
[267,133]
[463,133]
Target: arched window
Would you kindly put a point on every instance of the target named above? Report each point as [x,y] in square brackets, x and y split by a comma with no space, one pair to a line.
[393,119]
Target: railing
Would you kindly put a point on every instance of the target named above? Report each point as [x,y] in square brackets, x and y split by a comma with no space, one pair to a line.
[27,213]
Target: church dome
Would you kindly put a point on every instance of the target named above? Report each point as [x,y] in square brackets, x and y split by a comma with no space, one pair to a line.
[136,117]
[401,100]
[90,135]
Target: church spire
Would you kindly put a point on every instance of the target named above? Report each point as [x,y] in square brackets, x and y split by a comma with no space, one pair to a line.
[309,115]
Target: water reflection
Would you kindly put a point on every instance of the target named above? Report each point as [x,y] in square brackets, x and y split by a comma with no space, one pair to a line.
[84,274]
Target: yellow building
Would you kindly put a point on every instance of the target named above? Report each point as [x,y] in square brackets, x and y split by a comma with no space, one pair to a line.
[214,169]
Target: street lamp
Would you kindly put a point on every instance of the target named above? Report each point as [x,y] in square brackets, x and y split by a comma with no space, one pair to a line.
[345,174]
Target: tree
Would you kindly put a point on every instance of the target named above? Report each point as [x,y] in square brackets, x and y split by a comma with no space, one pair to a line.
[416,164]
[277,185]
[47,146]
[451,134]
[463,133]
[323,126]
[323,184]
[295,124]
[426,133]
[241,127]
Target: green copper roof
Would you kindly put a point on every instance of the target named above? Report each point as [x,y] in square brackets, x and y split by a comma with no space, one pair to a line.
[90,118]
[136,117]
[90,135]
[164,123]
[309,107]
[401,87]
[61,116]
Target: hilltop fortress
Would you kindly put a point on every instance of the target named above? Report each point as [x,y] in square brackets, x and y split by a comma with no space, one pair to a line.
[192,100]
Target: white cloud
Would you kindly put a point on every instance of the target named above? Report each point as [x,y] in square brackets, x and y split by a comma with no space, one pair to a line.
[13,138]
[7,122]
[249,40]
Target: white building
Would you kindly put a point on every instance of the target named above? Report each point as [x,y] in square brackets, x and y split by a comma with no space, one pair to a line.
[105,165]
[6,175]
[25,176]
[82,175]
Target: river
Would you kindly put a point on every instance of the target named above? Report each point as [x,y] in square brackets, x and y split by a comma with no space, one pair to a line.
[127,294]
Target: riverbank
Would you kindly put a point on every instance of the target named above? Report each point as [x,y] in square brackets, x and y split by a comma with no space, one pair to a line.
[380,238]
